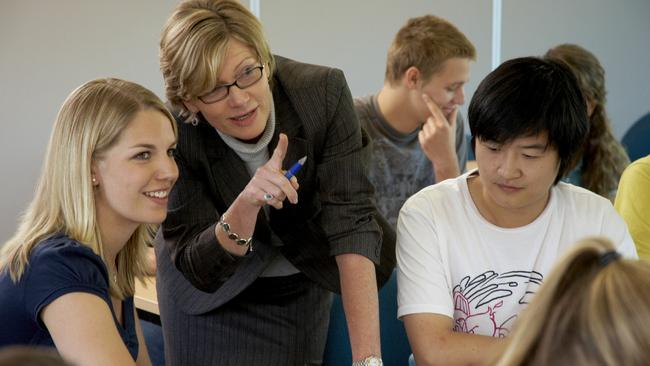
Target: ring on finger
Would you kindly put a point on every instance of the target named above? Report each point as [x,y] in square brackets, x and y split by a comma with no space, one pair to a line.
[268,197]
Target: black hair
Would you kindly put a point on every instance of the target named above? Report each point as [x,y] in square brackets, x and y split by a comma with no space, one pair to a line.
[527,96]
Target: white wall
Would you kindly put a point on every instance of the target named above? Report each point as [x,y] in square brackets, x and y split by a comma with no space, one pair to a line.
[354,35]
[617,32]
[47,48]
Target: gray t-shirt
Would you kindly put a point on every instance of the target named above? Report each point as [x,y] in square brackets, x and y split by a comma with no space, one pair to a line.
[398,167]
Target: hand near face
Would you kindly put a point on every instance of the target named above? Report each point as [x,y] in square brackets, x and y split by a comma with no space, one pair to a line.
[269,179]
[438,135]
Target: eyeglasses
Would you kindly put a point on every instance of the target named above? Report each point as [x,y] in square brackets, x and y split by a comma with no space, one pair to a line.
[249,77]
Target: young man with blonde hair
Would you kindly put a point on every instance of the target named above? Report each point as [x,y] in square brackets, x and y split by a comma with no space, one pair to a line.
[417,143]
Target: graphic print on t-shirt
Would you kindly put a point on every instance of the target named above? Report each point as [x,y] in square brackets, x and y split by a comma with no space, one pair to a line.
[484,304]
[397,174]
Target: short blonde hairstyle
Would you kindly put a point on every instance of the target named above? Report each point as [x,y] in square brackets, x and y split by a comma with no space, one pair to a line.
[89,123]
[591,310]
[194,42]
[425,42]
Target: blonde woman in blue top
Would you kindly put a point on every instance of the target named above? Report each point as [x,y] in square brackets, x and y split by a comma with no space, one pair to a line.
[67,275]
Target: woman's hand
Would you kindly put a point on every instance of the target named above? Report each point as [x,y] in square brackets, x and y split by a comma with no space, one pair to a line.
[269,185]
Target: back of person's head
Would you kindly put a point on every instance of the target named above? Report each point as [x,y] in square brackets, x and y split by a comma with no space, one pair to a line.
[586,68]
[529,96]
[593,309]
[30,356]
[604,157]
[425,42]
[90,121]
[194,42]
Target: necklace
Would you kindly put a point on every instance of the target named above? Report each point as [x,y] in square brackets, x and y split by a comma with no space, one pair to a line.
[112,274]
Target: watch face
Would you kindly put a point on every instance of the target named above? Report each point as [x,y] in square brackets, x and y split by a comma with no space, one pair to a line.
[370,361]
[374,361]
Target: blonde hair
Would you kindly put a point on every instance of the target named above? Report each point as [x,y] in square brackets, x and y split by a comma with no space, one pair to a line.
[591,310]
[603,157]
[194,42]
[425,42]
[89,123]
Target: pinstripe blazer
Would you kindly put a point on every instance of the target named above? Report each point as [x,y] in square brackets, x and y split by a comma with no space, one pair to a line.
[335,213]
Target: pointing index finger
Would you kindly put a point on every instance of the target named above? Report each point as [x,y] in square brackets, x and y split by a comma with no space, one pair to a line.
[279,152]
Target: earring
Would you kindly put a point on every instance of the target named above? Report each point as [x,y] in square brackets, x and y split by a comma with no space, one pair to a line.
[94,180]
[193,119]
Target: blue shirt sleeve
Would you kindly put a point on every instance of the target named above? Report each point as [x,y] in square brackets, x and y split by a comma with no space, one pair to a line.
[59,266]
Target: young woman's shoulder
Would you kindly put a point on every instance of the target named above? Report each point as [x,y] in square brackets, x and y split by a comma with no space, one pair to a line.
[60,261]
[64,248]
[59,265]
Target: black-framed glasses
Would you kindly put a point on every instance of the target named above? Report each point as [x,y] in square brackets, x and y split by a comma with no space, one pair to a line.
[249,77]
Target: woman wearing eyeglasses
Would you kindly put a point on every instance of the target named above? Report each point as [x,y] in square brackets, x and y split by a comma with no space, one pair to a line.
[247,257]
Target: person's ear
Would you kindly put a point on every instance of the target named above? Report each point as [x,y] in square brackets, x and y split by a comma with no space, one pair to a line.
[191,106]
[265,70]
[591,105]
[412,77]
[94,179]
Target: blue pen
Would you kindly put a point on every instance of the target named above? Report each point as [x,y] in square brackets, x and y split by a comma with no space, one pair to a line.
[295,167]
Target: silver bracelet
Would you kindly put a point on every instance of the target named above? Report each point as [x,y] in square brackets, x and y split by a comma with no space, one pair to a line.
[233,236]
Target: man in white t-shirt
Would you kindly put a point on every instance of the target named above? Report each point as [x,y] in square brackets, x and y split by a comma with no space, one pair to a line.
[472,251]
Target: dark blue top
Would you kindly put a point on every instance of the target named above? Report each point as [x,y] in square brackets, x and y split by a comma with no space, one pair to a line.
[57,266]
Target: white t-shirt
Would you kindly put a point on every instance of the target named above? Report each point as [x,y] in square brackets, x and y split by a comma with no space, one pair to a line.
[452,261]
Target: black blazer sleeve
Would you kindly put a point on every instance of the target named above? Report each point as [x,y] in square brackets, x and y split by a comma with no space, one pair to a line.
[347,215]
[189,230]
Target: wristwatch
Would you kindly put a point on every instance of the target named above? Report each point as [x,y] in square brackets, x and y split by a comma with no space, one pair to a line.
[369,361]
